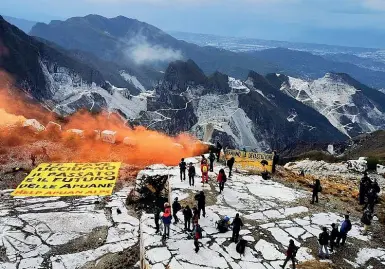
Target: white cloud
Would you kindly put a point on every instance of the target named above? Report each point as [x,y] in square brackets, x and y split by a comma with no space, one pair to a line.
[141,51]
[375,4]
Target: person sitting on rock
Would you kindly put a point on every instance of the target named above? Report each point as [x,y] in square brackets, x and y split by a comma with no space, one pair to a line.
[323,241]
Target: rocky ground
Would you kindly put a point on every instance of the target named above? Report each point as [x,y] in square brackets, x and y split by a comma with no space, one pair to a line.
[95,232]
[273,212]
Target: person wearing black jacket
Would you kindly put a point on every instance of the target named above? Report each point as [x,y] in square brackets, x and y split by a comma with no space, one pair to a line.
[219,149]
[191,174]
[275,160]
[202,204]
[323,241]
[237,224]
[364,188]
[175,208]
[334,236]
[316,189]
[212,159]
[157,218]
[371,200]
[187,213]
[230,164]
[182,167]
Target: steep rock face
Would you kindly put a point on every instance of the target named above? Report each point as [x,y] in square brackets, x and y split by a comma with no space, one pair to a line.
[350,106]
[28,61]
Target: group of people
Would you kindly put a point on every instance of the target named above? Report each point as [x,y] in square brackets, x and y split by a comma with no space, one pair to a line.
[368,196]
[205,169]
[327,241]
[191,216]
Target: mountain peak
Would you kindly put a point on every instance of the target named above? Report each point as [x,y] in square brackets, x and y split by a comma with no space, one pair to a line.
[180,74]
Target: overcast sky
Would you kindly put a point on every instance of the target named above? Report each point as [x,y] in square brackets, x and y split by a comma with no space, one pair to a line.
[293,20]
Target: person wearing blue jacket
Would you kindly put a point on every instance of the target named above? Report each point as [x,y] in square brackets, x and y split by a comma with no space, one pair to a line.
[346,226]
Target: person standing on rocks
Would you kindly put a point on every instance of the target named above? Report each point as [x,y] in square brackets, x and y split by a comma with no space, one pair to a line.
[237,224]
[191,174]
[182,167]
[157,219]
[323,241]
[187,213]
[364,188]
[197,236]
[195,216]
[202,204]
[221,180]
[219,149]
[205,172]
[366,220]
[166,218]
[290,254]
[334,236]
[175,209]
[230,164]
[371,200]
[346,226]
[212,160]
[316,189]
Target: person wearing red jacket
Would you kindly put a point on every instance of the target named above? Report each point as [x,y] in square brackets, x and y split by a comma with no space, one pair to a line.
[290,254]
[205,171]
[221,180]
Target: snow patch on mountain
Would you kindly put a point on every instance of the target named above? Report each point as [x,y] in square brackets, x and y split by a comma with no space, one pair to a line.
[336,100]
[133,80]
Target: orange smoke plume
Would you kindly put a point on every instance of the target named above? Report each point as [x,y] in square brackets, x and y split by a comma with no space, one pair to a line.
[143,146]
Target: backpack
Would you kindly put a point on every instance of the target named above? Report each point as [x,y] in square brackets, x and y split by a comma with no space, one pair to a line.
[196,197]
[204,169]
[241,246]
[224,178]
[320,188]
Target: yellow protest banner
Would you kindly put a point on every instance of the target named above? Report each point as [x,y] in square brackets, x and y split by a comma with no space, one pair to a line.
[251,161]
[70,179]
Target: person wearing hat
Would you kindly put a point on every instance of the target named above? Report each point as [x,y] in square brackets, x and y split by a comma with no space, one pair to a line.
[166,218]
[175,209]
